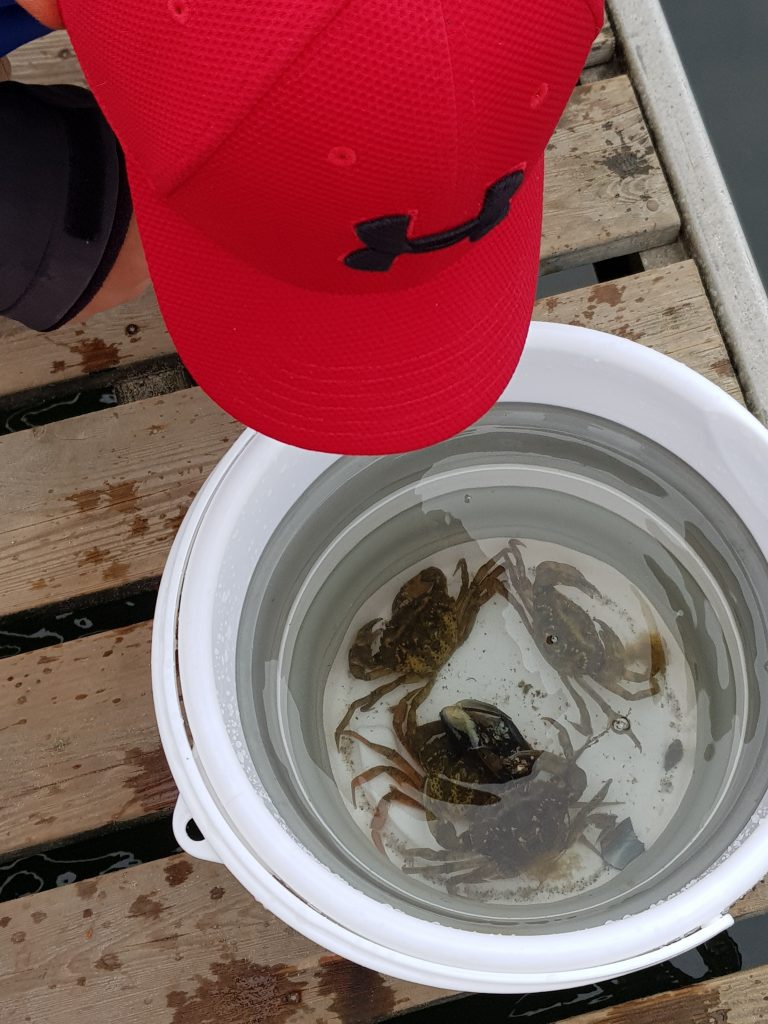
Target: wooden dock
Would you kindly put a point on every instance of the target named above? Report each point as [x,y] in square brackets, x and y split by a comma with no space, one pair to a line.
[88,509]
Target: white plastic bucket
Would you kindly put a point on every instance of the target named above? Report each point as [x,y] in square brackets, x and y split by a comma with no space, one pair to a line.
[199,607]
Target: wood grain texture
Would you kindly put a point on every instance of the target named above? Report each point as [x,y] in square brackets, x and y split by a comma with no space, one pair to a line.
[47,61]
[603,48]
[605,195]
[94,502]
[79,536]
[133,333]
[735,999]
[666,309]
[80,747]
[177,941]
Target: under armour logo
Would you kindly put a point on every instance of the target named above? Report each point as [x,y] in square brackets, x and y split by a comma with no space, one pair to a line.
[386,238]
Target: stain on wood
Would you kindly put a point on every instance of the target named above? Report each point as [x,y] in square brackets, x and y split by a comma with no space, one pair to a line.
[237,991]
[87,889]
[355,993]
[108,962]
[149,778]
[147,907]
[627,161]
[177,872]
[95,354]
[87,750]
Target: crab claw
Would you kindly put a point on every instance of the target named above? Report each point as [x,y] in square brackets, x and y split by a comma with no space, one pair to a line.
[553,574]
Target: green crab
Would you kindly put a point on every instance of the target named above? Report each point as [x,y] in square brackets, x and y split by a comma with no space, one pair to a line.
[445,763]
[532,820]
[577,645]
[426,626]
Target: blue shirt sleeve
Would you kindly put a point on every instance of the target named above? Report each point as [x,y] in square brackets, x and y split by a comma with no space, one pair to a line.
[17,27]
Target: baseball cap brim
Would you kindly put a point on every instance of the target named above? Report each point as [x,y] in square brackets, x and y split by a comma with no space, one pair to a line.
[350,374]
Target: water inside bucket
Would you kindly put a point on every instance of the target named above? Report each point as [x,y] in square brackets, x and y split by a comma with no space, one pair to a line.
[669,578]
[642,749]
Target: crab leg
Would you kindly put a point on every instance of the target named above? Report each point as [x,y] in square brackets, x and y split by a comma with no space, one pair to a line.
[610,713]
[392,755]
[381,769]
[580,821]
[484,872]
[404,715]
[445,866]
[367,702]
[381,814]
[584,724]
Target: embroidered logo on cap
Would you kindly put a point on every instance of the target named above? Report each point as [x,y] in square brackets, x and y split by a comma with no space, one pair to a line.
[386,238]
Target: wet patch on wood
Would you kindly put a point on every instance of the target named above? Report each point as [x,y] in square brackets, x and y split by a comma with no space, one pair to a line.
[145,906]
[149,779]
[239,991]
[178,872]
[355,993]
[108,962]
[626,162]
[95,354]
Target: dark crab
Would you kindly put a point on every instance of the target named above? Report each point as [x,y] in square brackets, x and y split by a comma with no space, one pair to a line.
[531,820]
[439,772]
[426,626]
[577,645]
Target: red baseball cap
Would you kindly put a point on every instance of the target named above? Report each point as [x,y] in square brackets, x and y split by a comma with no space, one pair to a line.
[340,200]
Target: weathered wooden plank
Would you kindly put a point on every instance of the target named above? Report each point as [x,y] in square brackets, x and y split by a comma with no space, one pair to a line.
[47,61]
[93,502]
[116,743]
[663,255]
[753,902]
[602,150]
[734,999]
[666,309]
[133,333]
[177,941]
[96,499]
[80,747]
[605,195]
[603,47]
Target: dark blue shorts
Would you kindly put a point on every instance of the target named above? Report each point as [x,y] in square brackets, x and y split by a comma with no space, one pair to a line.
[65,205]
[17,27]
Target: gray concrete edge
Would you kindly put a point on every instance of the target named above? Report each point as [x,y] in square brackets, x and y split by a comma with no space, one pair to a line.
[711,224]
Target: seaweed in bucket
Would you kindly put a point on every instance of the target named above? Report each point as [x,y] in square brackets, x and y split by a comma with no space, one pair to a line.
[576,644]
